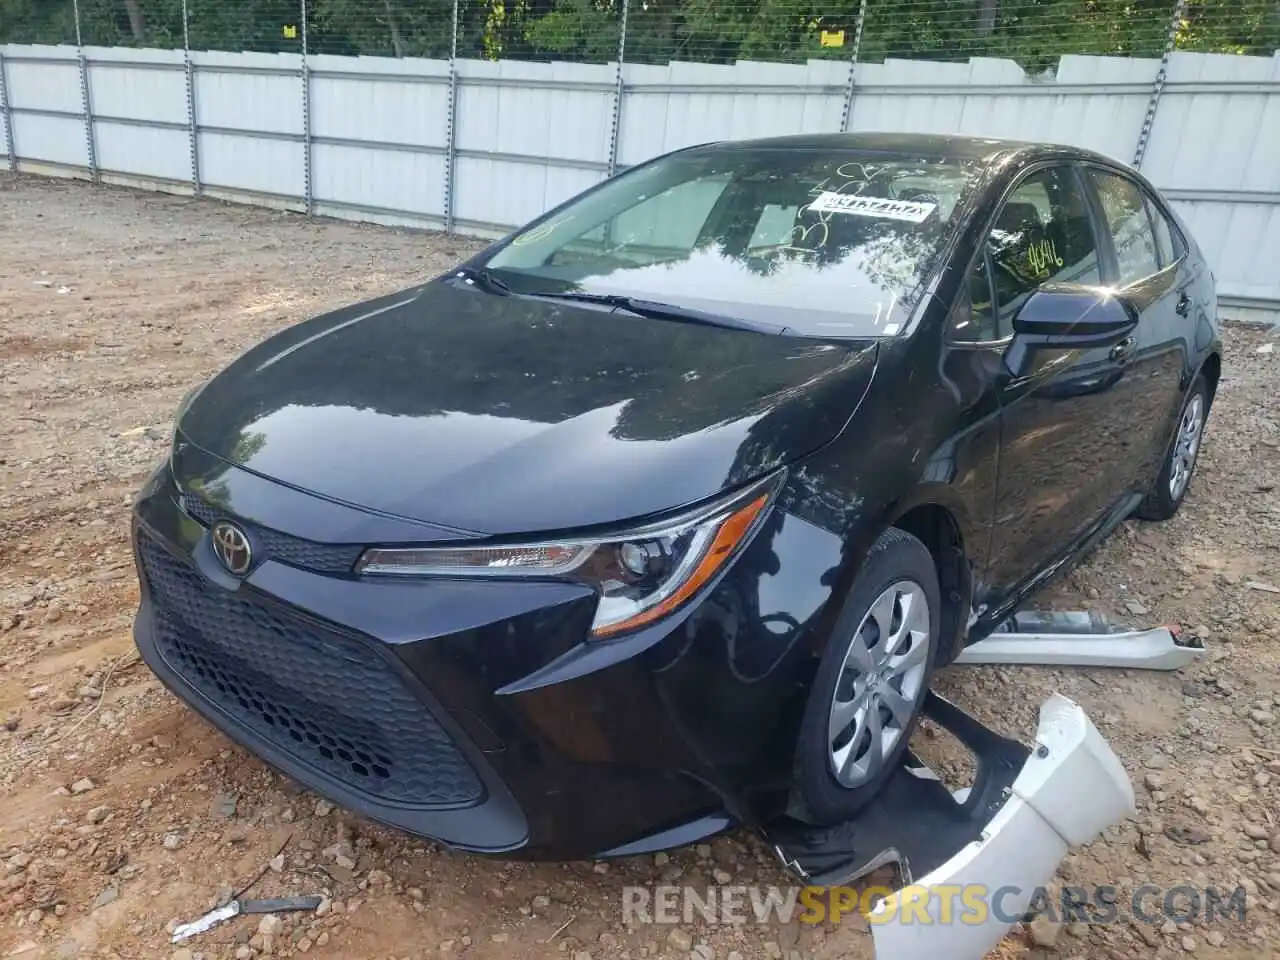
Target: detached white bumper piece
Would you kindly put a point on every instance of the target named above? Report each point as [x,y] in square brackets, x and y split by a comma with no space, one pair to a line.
[1070,788]
[1161,648]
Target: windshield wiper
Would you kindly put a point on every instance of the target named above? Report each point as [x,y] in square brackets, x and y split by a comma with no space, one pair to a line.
[663,311]
[484,279]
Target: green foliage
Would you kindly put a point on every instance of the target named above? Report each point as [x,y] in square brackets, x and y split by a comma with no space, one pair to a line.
[1035,33]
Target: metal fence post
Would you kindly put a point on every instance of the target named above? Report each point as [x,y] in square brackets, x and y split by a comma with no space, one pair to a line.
[6,121]
[619,91]
[451,130]
[86,104]
[308,193]
[1157,87]
[847,112]
[192,129]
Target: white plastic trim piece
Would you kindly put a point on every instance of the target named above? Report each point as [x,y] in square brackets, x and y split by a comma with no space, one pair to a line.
[1070,790]
[1138,650]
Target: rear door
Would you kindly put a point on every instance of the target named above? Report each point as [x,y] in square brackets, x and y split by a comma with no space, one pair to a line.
[1067,420]
[1158,282]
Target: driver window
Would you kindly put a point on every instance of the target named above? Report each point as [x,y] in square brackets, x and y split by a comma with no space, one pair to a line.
[1042,234]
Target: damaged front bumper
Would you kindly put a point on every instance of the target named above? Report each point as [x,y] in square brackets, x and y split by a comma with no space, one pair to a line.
[1003,836]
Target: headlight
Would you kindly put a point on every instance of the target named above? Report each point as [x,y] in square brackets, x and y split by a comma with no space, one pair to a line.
[641,574]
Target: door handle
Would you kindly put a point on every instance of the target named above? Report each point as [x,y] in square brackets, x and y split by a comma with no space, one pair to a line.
[1124,348]
[1184,304]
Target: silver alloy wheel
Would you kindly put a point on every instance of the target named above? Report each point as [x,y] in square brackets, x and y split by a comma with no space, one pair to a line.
[1186,446]
[881,683]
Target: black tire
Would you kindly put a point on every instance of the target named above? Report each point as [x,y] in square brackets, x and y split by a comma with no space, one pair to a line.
[818,797]
[1163,502]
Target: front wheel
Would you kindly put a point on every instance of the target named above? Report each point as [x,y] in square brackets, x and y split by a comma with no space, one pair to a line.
[1180,462]
[871,682]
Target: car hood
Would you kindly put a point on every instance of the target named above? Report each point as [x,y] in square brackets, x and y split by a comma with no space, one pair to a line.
[496,415]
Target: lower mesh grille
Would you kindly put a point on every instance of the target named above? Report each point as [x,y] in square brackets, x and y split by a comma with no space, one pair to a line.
[318,695]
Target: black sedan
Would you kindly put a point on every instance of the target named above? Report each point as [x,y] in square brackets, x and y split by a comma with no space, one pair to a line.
[658,515]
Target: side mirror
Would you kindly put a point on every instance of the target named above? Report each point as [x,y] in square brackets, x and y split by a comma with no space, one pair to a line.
[1075,316]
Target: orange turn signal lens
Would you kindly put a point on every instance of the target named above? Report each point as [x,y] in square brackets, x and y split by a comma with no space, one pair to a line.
[729,534]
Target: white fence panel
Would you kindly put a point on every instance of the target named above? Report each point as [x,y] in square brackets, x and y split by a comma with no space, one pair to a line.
[681,104]
[139,104]
[46,113]
[1218,132]
[250,122]
[528,136]
[378,128]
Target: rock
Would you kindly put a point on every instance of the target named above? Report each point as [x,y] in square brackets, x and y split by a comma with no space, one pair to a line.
[682,940]
[269,926]
[772,950]
[1044,932]
[323,808]
[1136,608]
[1149,934]
[18,862]
[702,952]
[98,814]
[303,945]
[1078,930]
[11,723]
[1189,944]
[661,859]
[276,863]
[182,953]
[722,876]
[1154,780]
[541,902]
[244,953]
[66,950]
[323,939]
[83,785]
[1261,716]
[172,841]
[224,806]
[1214,938]
[108,895]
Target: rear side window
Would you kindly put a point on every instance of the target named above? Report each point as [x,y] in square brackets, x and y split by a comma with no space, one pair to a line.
[1129,226]
[1166,240]
[1042,234]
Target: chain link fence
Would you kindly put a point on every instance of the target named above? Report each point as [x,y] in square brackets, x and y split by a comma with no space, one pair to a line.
[1034,33]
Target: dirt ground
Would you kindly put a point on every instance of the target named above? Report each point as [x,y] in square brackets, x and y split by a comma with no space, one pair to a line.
[121,812]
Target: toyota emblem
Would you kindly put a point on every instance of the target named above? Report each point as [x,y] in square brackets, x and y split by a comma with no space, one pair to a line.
[231,547]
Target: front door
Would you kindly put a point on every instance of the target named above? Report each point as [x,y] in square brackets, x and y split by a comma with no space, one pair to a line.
[1066,423]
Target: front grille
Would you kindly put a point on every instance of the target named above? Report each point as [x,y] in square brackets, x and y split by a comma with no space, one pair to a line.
[320,696]
[307,554]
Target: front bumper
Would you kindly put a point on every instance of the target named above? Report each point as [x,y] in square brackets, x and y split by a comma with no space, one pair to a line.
[468,712]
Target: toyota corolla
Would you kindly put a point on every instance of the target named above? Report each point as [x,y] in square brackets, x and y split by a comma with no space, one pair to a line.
[659,514]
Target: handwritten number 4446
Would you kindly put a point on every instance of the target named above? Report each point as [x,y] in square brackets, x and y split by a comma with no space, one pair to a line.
[1042,255]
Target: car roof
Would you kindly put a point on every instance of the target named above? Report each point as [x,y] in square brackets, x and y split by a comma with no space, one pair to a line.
[933,145]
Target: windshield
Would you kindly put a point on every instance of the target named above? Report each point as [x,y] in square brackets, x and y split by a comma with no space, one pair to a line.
[829,243]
